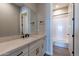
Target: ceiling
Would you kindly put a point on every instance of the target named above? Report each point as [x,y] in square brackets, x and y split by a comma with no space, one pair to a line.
[22,4]
[55,5]
[59,5]
[19,4]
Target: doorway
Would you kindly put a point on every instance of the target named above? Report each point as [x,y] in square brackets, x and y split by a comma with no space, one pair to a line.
[62,29]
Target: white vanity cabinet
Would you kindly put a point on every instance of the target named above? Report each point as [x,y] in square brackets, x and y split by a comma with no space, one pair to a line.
[34,48]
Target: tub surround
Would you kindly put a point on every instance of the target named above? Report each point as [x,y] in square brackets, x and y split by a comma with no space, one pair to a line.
[8,46]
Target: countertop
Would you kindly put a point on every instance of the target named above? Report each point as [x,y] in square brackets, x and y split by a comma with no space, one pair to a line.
[8,46]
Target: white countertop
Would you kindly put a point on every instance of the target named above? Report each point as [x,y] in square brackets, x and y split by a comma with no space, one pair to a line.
[6,47]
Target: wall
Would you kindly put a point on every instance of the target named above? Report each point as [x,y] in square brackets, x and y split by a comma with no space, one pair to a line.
[9,19]
[41,17]
[61,11]
[32,6]
[76,42]
[44,15]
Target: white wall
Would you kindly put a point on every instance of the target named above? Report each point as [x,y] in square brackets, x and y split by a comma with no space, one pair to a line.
[32,6]
[43,11]
[41,17]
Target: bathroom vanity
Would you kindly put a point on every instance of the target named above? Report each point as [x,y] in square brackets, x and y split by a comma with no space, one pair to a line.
[32,46]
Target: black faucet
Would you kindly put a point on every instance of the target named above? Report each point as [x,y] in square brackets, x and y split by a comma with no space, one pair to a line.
[27,35]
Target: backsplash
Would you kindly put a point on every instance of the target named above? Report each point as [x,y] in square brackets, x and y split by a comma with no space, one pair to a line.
[8,38]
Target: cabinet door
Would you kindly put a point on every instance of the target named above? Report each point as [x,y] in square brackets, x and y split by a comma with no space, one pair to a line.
[41,53]
[35,52]
[32,52]
[36,48]
[41,48]
[33,47]
[25,50]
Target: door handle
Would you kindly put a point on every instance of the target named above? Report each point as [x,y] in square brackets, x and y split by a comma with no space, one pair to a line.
[37,51]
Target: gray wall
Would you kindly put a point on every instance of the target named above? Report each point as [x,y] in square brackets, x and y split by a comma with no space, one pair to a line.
[44,15]
[32,6]
[9,19]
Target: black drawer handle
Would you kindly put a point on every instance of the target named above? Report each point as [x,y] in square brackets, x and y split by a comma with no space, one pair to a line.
[37,51]
[19,54]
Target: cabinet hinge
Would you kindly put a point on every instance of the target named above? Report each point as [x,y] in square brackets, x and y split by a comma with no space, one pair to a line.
[72,18]
[72,52]
[72,35]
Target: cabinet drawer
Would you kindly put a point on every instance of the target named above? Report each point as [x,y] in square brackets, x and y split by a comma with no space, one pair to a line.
[20,52]
[16,53]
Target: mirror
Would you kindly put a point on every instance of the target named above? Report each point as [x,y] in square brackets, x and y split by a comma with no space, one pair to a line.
[28,22]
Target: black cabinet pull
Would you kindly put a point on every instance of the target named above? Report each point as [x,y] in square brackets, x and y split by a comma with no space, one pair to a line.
[19,54]
[37,51]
